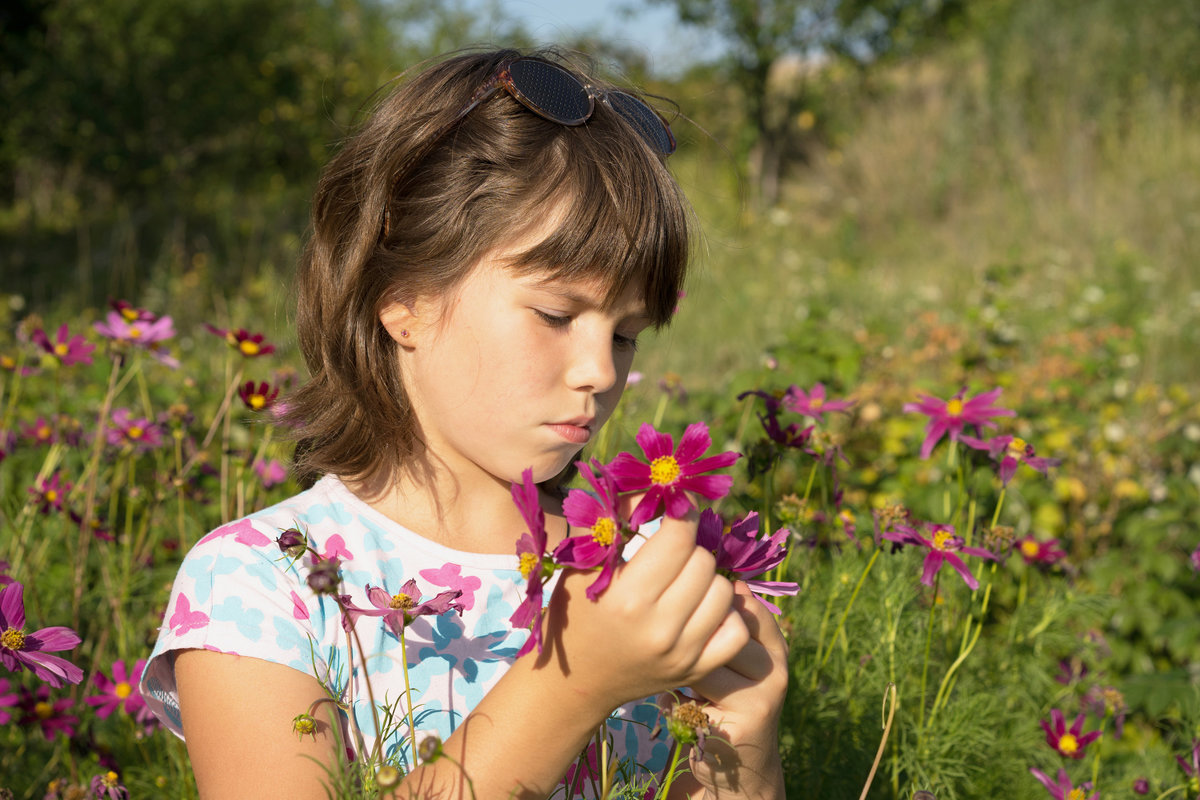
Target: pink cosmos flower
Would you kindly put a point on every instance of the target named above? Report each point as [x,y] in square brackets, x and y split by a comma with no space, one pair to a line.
[791,436]
[250,345]
[258,397]
[51,716]
[742,555]
[139,433]
[1063,789]
[950,416]
[1190,762]
[1035,552]
[597,513]
[121,692]
[400,609]
[815,404]
[19,649]
[531,551]
[8,699]
[271,473]
[1070,743]
[107,786]
[65,349]
[1010,452]
[40,432]
[141,329]
[50,494]
[9,364]
[943,548]
[669,473]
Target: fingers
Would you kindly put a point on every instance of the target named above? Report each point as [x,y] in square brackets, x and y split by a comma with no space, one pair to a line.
[759,621]
[656,564]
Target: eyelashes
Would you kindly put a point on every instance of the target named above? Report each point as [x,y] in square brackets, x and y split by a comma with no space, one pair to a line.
[620,342]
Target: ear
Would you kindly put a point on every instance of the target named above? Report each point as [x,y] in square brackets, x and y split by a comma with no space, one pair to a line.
[401,323]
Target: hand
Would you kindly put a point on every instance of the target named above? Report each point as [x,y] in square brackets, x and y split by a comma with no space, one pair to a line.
[745,697]
[666,620]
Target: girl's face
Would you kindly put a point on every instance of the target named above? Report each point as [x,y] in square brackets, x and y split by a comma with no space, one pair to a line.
[513,372]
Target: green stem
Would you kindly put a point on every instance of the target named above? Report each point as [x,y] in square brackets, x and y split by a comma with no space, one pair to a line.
[676,750]
[412,727]
[850,604]
[928,644]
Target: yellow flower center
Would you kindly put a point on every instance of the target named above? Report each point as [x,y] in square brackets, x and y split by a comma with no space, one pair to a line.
[402,601]
[122,690]
[528,562]
[134,332]
[257,401]
[12,639]
[816,402]
[941,539]
[1029,548]
[954,407]
[51,496]
[1075,794]
[8,362]
[43,709]
[664,470]
[248,348]
[110,779]
[43,432]
[61,349]
[1017,446]
[130,314]
[604,531]
[134,432]
[1068,744]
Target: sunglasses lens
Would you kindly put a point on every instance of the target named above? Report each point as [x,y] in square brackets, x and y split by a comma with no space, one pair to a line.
[644,120]
[550,91]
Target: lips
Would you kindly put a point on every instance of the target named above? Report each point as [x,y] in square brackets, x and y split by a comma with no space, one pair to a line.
[575,431]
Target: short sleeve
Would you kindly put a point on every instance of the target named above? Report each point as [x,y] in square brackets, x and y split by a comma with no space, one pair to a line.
[237,593]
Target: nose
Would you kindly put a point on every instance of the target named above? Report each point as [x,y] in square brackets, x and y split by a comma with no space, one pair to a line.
[592,367]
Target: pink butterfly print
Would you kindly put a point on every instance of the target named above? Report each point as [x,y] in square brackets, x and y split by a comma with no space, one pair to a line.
[299,610]
[242,531]
[450,576]
[184,619]
[335,547]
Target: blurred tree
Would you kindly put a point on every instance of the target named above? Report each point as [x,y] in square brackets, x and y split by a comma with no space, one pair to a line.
[759,35]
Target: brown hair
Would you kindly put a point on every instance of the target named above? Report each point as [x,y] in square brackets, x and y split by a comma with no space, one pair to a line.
[455,190]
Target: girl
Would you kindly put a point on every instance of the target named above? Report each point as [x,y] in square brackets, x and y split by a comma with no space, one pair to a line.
[485,251]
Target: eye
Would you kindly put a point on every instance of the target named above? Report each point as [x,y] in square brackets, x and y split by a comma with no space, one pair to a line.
[552,320]
[626,343]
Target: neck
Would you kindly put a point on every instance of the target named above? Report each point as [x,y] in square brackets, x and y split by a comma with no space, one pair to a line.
[476,516]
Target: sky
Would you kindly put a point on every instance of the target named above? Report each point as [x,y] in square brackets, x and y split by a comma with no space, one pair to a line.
[652,30]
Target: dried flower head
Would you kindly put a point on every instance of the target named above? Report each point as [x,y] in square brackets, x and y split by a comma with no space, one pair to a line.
[304,725]
[388,777]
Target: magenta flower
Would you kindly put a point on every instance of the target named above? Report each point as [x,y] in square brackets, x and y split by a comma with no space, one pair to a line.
[950,416]
[50,494]
[400,609]
[9,364]
[1035,552]
[108,787]
[1010,452]
[1070,743]
[531,551]
[742,555]
[141,329]
[815,404]
[65,349]
[138,433]
[271,473]
[669,473]
[121,692]
[8,699]
[943,548]
[51,716]
[1195,558]
[598,513]
[258,397]
[1190,762]
[791,436]
[1063,789]
[40,432]
[250,345]
[19,649]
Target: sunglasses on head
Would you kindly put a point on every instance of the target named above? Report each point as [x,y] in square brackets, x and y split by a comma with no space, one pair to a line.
[556,94]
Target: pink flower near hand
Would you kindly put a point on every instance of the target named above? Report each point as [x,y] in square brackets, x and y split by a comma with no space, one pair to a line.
[531,549]
[669,473]
[943,548]
[121,692]
[813,404]
[597,513]
[950,416]
[1070,743]
[742,555]
[400,609]
[30,651]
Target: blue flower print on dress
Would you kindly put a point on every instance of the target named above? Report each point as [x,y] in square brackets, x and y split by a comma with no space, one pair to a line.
[248,620]
[203,569]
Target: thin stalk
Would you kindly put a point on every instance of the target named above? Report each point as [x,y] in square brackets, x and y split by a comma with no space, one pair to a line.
[821,633]
[850,604]
[890,692]
[666,789]
[928,643]
[408,706]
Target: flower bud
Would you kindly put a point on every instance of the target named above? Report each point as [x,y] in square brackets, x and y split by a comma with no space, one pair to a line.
[388,777]
[292,542]
[325,576]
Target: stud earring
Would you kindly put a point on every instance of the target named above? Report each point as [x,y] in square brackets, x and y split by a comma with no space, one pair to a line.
[403,334]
